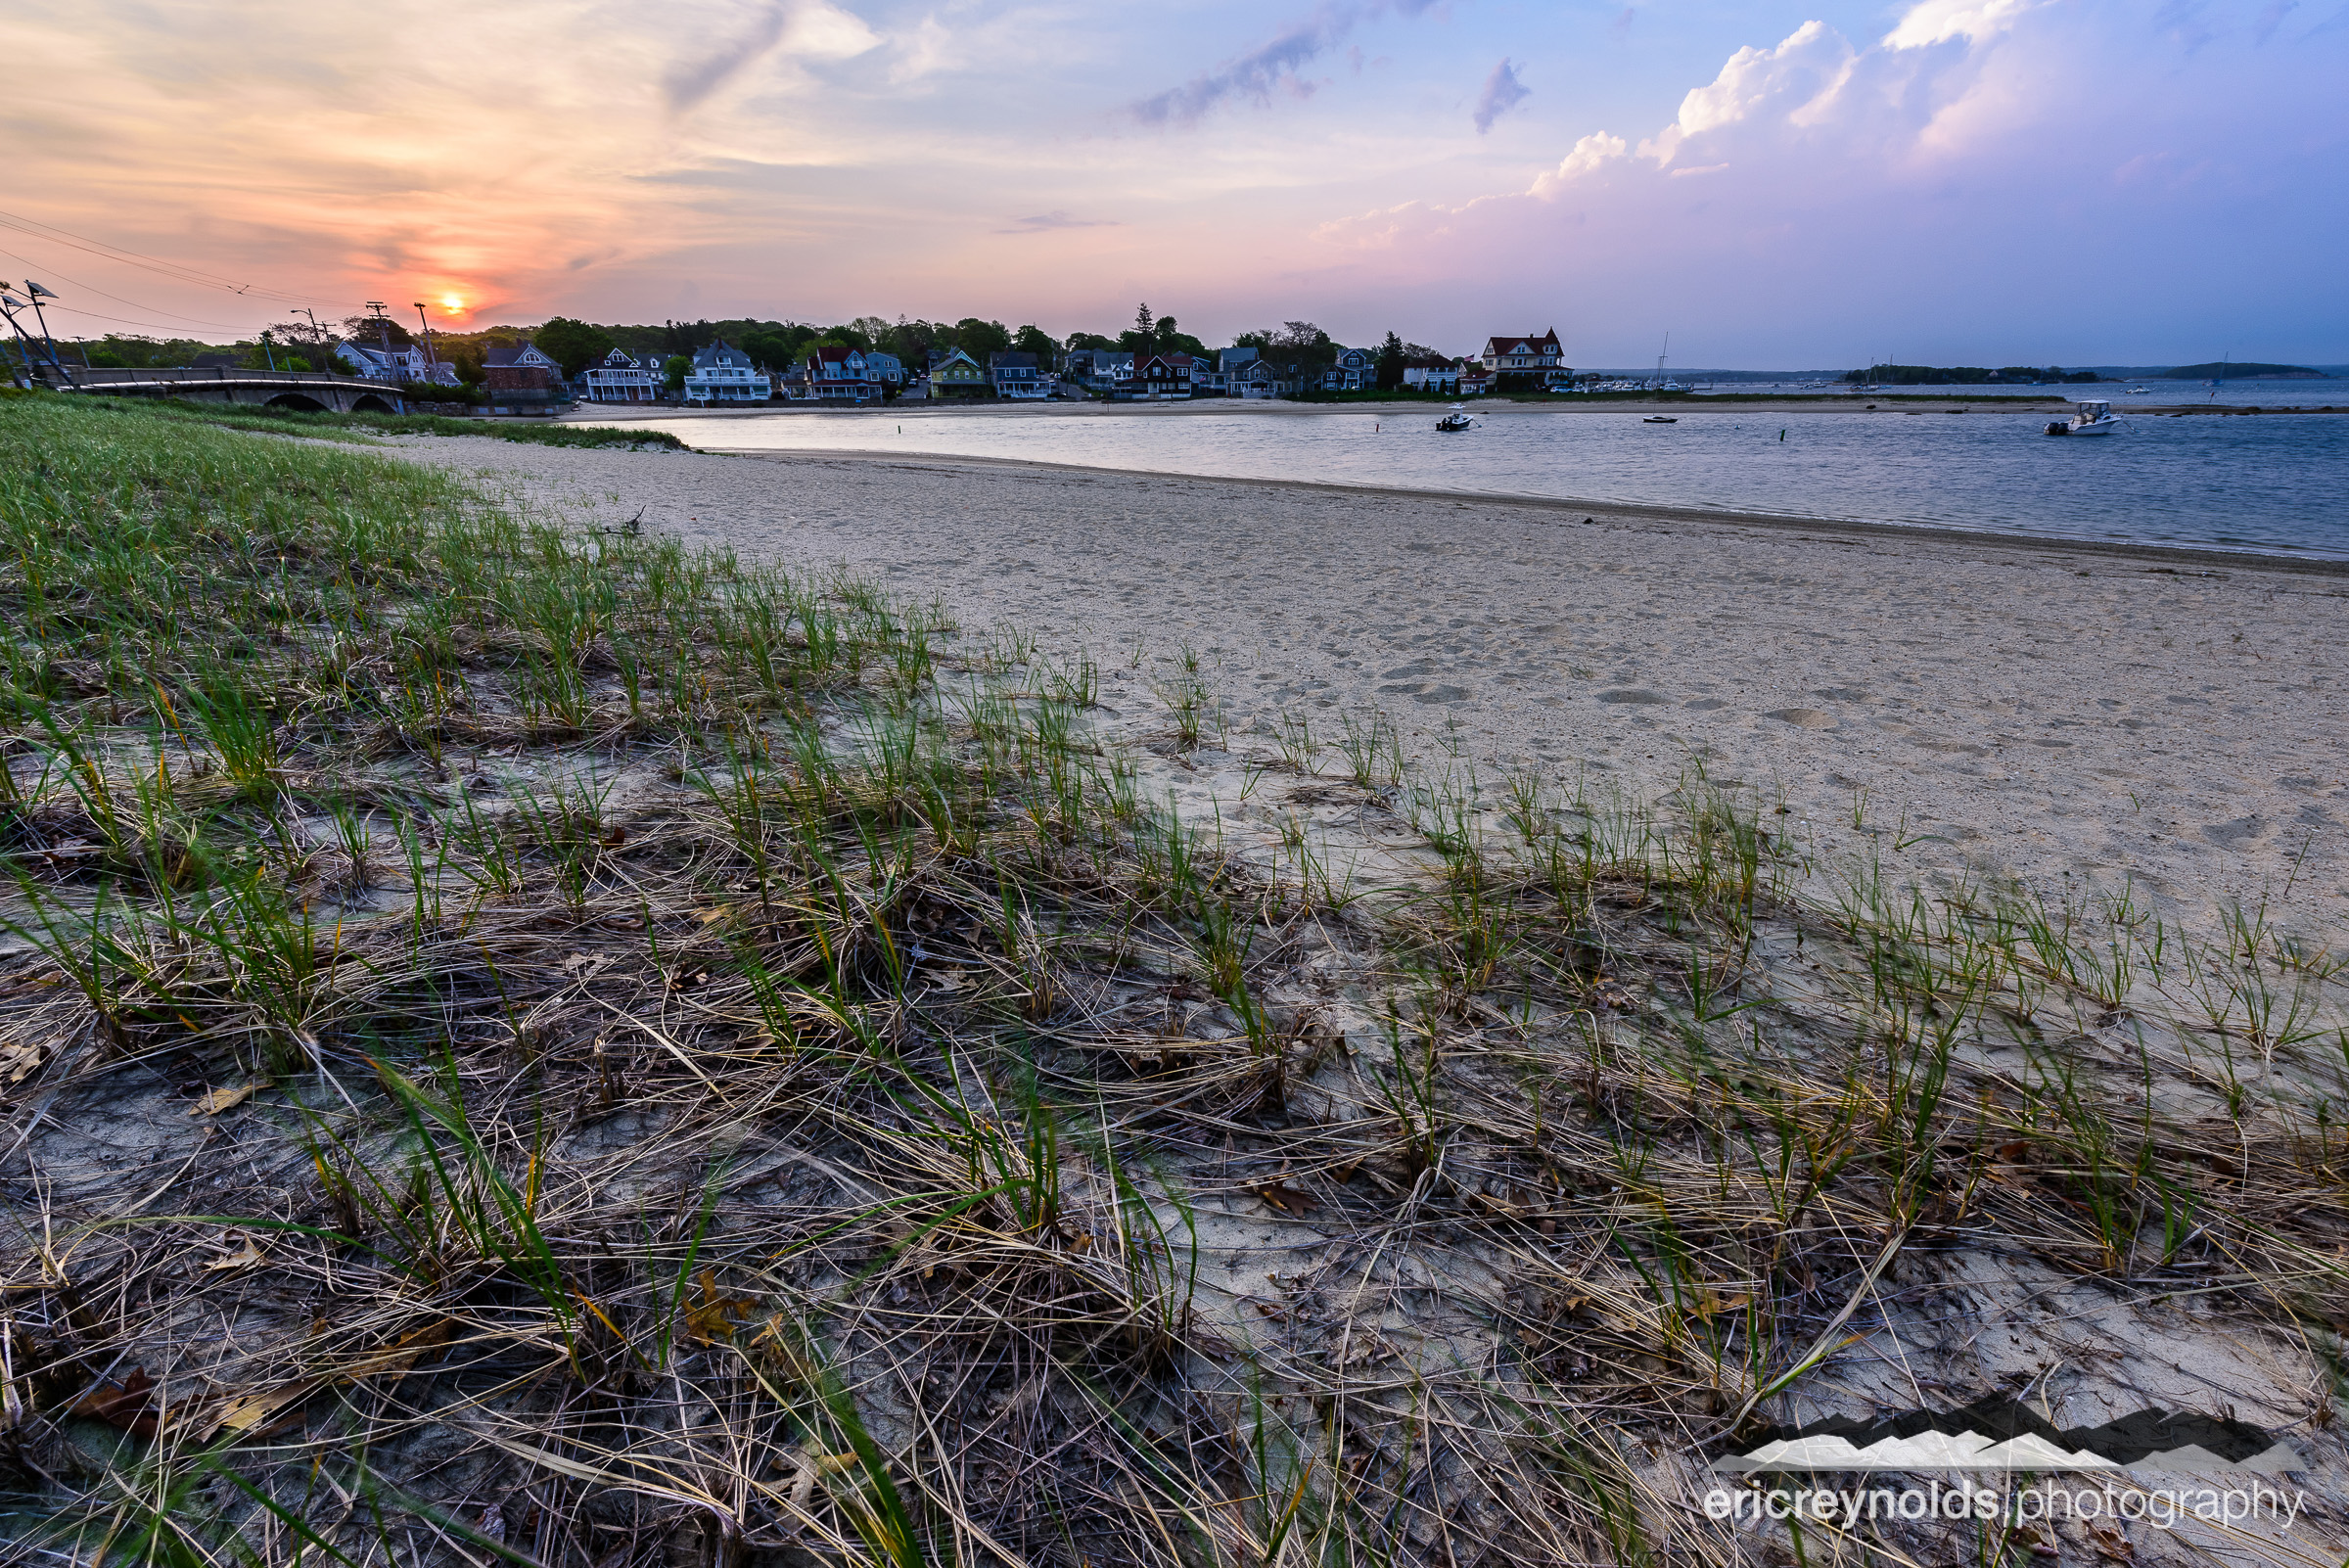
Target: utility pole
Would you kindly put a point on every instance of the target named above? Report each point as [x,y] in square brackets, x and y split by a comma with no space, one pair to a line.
[383,328]
[432,356]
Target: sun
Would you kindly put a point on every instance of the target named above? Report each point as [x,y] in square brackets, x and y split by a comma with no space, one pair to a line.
[451,302]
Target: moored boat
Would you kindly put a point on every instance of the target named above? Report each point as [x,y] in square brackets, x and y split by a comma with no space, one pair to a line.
[2093,419]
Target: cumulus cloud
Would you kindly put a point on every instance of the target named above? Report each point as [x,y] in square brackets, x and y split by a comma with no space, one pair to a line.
[1271,67]
[1932,21]
[1503,93]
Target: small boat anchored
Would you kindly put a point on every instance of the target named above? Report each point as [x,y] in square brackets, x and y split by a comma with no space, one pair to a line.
[2093,419]
[1457,420]
[1660,419]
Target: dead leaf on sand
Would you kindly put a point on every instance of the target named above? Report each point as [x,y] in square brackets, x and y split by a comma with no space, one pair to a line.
[245,1257]
[1287,1199]
[128,1402]
[17,1059]
[213,1101]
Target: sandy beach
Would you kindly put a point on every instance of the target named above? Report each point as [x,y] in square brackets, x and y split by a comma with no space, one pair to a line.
[2080,717]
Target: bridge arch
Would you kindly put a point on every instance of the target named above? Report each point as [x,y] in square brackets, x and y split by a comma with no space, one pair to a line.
[370,403]
[298,402]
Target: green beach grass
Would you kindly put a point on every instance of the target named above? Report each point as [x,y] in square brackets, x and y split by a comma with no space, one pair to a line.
[565,1048]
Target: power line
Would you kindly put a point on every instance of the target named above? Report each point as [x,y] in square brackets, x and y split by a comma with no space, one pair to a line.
[118,298]
[118,321]
[34,228]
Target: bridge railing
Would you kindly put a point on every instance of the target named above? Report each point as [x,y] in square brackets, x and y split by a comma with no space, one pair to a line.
[132,376]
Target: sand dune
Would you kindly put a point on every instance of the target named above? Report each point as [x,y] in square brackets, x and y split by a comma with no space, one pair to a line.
[2076,715]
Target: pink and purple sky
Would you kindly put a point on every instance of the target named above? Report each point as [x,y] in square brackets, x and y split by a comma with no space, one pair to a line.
[1809,183]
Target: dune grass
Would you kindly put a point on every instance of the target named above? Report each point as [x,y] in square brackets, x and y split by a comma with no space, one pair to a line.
[569,1050]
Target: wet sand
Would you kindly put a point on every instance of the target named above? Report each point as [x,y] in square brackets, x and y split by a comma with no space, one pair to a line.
[2079,715]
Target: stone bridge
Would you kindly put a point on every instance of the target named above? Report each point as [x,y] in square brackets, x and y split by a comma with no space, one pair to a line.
[310,391]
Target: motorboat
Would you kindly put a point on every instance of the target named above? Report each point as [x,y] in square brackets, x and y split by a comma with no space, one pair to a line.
[2139,392]
[1457,420]
[2093,419]
[1660,419]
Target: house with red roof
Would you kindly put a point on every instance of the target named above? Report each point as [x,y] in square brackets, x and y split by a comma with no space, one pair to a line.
[1529,362]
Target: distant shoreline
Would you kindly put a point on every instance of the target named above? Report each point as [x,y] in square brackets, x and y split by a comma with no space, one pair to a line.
[1732,403]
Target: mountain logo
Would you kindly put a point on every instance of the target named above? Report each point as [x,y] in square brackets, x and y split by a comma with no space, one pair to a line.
[1999,1434]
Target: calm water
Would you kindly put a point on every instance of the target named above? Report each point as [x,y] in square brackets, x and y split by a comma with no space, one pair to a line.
[2234,395]
[2270,481]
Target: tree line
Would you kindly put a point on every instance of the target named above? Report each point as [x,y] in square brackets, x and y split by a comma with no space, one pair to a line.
[1296,350]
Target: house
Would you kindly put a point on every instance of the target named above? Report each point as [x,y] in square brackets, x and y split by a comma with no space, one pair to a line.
[1158,379]
[887,369]
[408,363]
[955,374]
[518,375]
[620,379]
[724,374]
[1096,369]
[1536,357]
[793,385]
[840,374]
[1015,374]
[1432,375]
[1245,373]
[1475,379]
[1355,370]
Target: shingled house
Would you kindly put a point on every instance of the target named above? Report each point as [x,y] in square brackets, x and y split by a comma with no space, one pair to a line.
[518,376]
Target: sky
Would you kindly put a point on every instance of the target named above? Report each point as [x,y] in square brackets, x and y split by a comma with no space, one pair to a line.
[1816,183]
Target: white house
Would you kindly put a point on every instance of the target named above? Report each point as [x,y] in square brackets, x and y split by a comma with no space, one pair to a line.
[1439,376]
[724,374]
[1527,356]
[620,380]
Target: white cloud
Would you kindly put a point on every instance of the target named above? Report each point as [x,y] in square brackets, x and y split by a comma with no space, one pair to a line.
[1797,82]
[1932,21]
[1590,153]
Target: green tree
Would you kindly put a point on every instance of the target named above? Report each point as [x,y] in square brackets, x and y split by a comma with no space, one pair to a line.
[1035,340]
[675,372]
[848,337]
[978,339]
[1390,363]
[1090,340]
[1142,337]
[573,345]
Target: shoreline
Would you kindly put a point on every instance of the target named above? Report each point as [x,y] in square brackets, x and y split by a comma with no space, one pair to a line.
[1281,408]
[1599,511]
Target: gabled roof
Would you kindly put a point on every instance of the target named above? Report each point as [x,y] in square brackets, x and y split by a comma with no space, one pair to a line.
[617,359]
[1548,342]
[1011,359]
[721,352]
[508,355]
[833,353]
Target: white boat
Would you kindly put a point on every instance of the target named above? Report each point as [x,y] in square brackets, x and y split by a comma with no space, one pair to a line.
[2139,392]
[2093,419]
[1457,420]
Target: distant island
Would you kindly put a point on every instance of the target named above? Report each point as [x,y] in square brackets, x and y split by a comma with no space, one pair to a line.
[2244,371]
[1968,376]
